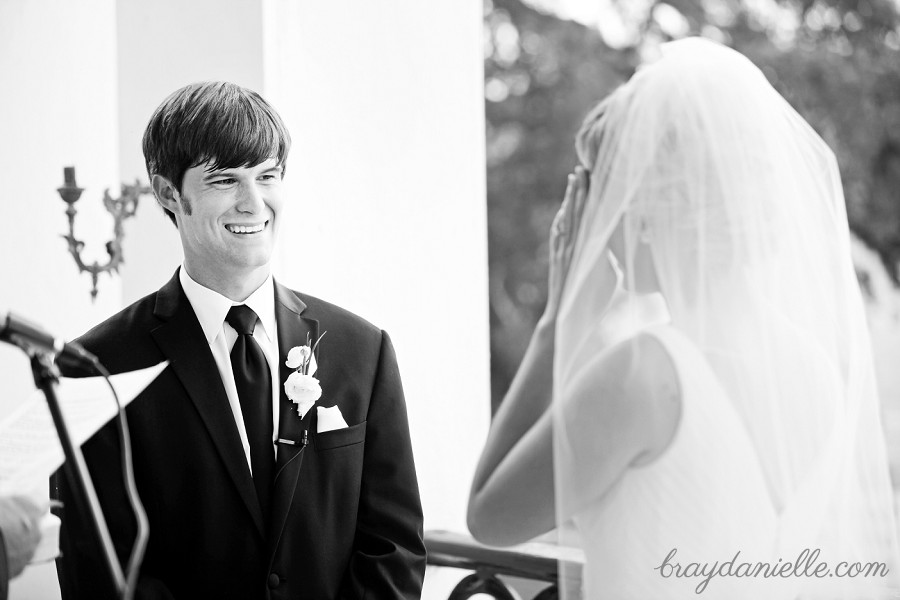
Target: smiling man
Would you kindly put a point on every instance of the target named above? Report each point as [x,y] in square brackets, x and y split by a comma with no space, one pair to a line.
[247,497]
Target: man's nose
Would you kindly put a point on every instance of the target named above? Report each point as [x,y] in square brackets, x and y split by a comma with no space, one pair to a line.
[251,198]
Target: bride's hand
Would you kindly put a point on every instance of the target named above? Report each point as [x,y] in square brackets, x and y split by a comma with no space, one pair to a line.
[562,240]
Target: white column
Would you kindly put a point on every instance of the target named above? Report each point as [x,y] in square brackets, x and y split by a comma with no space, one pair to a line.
[57,63]
[387,215]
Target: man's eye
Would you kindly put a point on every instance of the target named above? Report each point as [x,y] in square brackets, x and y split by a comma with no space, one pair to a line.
[223,181]
[270,177]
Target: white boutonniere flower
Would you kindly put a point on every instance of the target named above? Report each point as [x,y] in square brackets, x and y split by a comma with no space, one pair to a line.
[301,387]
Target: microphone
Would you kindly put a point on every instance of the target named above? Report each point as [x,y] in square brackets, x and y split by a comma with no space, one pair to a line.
[32,338]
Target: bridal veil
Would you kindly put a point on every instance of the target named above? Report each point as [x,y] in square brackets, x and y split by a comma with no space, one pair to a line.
[740,204]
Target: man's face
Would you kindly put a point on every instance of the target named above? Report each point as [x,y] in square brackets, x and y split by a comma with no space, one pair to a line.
[228,219]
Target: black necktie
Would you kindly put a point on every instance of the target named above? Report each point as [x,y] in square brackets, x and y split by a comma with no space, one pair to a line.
[254,387]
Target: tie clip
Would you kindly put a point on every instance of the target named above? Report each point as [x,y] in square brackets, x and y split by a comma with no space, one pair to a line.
[286,442]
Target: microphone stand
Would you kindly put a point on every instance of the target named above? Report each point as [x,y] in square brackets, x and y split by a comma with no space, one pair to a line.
[46,378]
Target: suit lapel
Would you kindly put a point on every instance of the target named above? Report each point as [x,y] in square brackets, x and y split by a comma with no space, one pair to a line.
[181,339]
[293,329]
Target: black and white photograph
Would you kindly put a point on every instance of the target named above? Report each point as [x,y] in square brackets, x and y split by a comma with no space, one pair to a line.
[508,299]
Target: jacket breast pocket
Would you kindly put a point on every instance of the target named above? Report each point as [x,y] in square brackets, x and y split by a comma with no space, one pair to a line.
[338,438]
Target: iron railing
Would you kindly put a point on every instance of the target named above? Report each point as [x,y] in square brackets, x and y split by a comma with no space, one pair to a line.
[533,561]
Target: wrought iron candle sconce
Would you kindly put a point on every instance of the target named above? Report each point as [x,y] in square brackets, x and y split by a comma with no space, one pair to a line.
[122,208]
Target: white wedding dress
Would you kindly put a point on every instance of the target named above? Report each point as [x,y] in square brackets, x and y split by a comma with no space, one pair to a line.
[706,501]
[703,500]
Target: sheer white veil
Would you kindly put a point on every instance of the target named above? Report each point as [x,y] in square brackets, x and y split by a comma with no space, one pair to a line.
[740,204]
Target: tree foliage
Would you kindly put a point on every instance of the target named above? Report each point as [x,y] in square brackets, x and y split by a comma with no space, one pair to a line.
[836,61]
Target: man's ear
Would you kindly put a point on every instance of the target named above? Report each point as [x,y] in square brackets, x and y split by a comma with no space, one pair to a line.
[166,194]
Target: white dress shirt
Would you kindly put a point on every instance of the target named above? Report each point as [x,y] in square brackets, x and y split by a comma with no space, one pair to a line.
[211,308]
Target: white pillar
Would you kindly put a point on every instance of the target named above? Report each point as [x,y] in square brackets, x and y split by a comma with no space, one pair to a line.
[387,214]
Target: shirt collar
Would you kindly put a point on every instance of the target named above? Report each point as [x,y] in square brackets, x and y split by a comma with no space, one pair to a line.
[211,307]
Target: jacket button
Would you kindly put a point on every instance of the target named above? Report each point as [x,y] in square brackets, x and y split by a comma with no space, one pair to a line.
[274,581]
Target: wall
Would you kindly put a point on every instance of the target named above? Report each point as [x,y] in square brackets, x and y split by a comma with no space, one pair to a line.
[58,74]
[162,46]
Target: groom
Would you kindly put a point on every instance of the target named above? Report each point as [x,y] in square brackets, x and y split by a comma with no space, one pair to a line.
[246,497]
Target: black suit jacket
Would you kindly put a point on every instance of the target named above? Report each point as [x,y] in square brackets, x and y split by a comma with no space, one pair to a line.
[4,570]
[346,520]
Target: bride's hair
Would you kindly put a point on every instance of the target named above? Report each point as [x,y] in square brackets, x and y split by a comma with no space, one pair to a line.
[681,192]
[592,132]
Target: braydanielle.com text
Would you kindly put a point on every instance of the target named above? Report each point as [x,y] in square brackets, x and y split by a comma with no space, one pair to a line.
[806,565]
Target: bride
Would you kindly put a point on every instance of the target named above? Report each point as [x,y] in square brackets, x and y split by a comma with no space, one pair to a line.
[697,408]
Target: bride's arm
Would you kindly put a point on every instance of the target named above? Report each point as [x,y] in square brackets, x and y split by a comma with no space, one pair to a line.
[621,408]
[519,440]
[520,429]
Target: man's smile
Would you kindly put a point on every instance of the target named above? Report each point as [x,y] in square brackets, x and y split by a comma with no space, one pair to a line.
[245,229]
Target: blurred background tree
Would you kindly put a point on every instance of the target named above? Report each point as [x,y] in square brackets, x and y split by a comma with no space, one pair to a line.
[836,61]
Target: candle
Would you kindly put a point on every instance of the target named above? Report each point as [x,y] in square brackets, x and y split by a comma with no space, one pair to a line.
[69,176]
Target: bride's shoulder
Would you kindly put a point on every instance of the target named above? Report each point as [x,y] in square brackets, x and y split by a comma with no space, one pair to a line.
[636,367]
[635,385]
